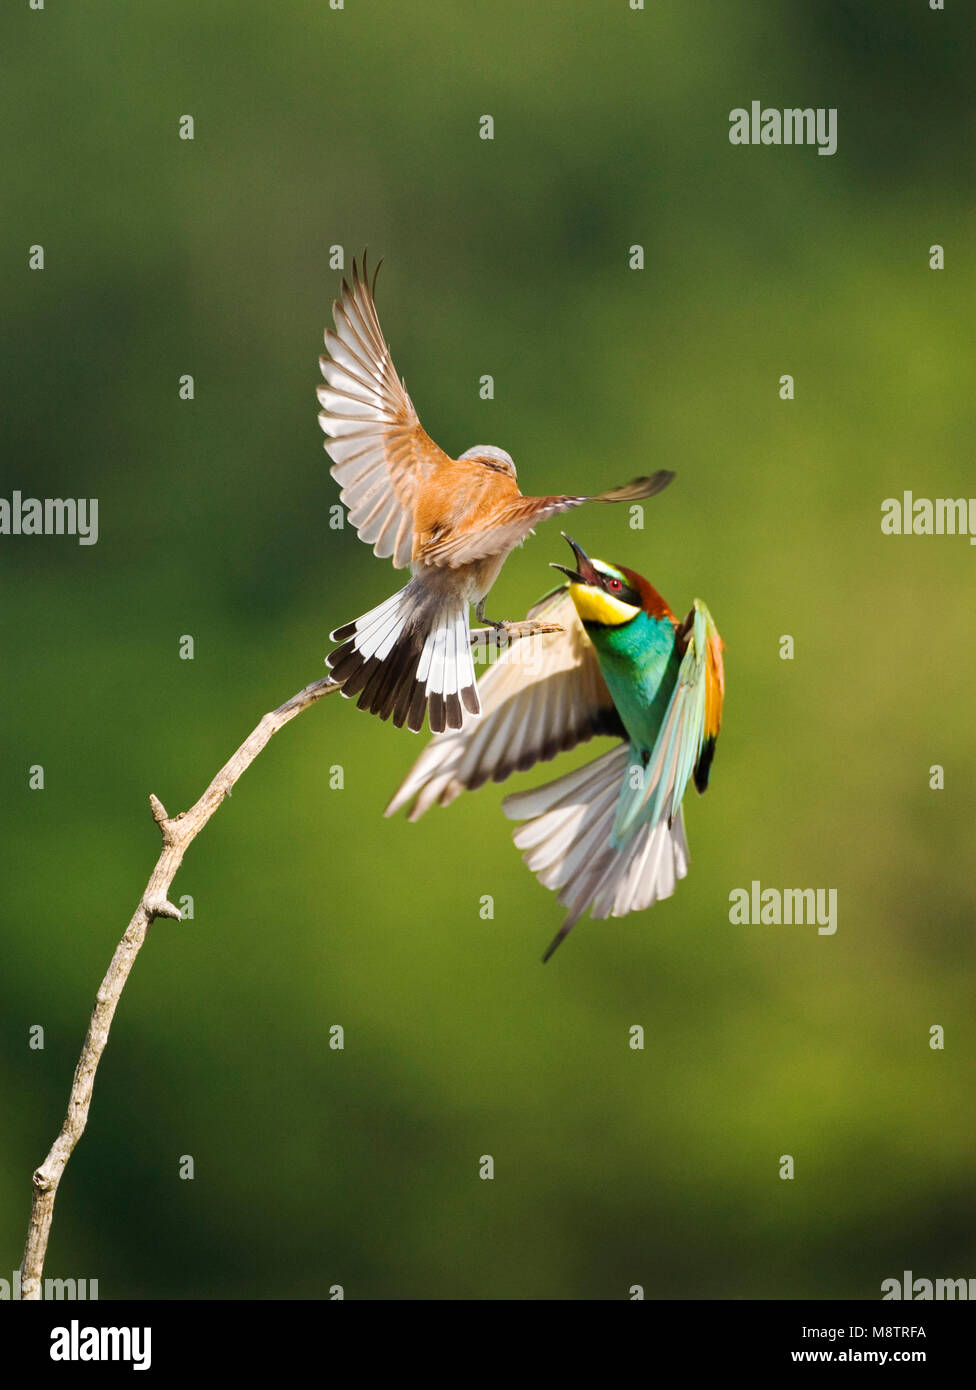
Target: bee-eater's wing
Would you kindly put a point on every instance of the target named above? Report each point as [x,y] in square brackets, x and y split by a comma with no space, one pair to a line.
[567,843]
[509,524]
[542,695]
[685,743]
[377,444]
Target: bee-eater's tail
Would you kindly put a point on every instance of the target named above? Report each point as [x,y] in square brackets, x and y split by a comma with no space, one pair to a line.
[567,844]
[408,657]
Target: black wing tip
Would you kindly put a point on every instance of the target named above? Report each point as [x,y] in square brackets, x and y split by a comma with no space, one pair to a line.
[703,767]
[363,280]
[650,486]
[634,491]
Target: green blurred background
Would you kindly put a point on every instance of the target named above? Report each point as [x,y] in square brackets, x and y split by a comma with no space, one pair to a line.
[613,1167]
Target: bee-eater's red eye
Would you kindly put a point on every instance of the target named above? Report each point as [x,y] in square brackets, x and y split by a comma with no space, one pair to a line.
[615,584]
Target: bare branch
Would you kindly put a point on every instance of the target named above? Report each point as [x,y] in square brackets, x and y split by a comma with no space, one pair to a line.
[177,832]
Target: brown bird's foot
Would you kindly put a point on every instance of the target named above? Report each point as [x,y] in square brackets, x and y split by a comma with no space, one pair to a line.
[512,629]
[482,617]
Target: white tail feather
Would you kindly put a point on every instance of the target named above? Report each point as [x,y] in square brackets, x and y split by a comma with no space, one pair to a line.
[410,655]
[566,843]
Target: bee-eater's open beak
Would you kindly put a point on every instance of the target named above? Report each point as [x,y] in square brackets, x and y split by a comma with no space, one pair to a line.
[584,572]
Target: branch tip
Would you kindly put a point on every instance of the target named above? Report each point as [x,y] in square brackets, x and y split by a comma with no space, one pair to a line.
[512,632]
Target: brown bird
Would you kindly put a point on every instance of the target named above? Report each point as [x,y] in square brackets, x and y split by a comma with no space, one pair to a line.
[453,521]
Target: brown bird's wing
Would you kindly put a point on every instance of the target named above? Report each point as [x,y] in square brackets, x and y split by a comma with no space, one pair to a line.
[380,451]
[509,524]
[543,695]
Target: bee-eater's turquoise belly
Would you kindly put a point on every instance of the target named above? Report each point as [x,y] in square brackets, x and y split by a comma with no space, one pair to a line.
[640,664]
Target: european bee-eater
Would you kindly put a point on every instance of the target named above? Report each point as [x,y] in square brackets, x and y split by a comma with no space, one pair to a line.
[453,521]
[610,835]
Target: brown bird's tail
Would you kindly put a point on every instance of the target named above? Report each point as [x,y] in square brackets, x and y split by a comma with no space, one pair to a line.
[408,657]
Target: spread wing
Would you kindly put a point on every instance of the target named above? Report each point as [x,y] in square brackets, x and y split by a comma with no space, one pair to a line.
[685,744]
[379,449]
[543,695]
[509,524]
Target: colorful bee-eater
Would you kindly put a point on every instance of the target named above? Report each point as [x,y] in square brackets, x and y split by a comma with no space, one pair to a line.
[610,835]
[453,521]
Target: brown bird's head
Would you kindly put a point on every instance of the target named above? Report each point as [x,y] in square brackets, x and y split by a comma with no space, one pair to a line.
[496,459]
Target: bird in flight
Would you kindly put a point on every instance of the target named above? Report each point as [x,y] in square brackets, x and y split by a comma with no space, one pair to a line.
[609,836]
[453,521]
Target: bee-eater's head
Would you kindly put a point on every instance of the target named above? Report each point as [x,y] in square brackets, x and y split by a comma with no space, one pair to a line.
[604,595]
